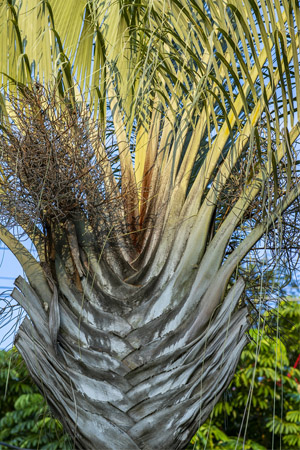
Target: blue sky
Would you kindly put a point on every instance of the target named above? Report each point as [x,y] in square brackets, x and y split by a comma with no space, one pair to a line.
[9,270]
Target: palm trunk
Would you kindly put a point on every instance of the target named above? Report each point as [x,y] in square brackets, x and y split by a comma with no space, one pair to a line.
[119,380]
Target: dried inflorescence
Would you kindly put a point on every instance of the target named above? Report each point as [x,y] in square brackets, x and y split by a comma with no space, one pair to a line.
[51,163]
[272,262]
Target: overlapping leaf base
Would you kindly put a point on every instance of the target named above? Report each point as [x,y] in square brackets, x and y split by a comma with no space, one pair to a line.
[117,382]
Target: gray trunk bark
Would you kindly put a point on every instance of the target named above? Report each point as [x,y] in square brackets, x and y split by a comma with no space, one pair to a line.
[118,380]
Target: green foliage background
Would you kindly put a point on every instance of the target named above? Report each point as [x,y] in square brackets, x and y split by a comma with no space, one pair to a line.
[261,407]
[25,419]
[262,403]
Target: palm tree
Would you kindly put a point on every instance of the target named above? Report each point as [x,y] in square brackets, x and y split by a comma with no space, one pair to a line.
[155,150]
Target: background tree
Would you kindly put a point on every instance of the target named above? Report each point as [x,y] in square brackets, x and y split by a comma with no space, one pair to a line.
[25,419]
[148,175]
[266,379]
